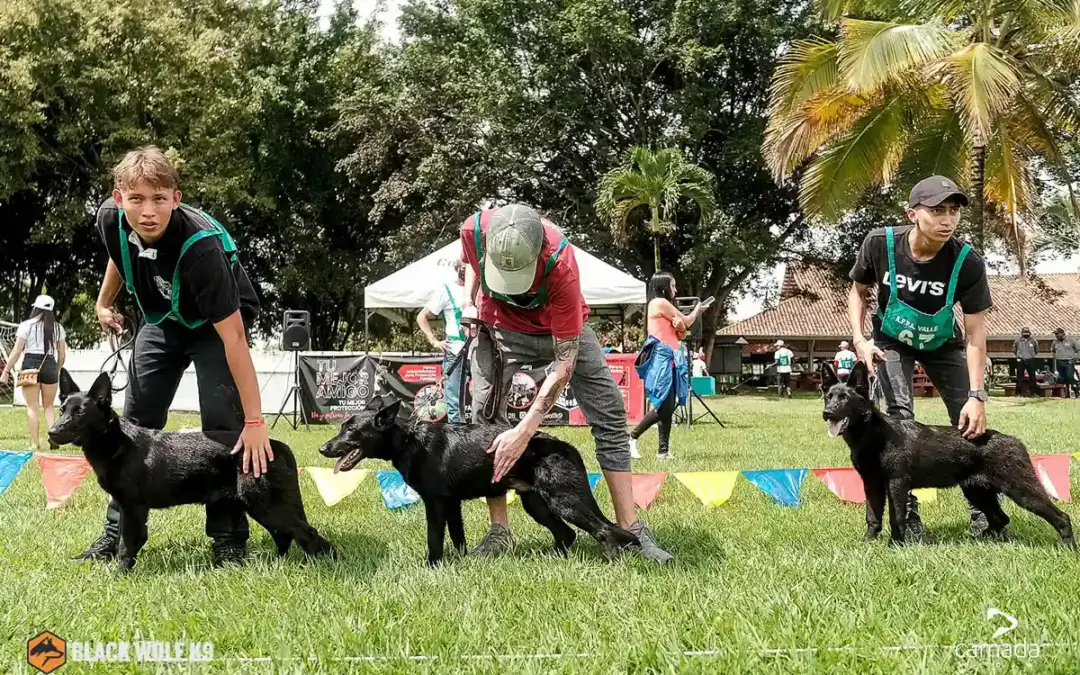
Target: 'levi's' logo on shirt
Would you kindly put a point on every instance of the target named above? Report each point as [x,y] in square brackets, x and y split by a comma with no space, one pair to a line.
[919,286]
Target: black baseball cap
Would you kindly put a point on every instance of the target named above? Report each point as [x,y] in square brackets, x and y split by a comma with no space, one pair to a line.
[934,190]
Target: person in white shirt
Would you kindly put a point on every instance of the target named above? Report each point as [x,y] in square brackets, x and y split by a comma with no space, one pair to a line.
[783,358]
[699,367]
[446,300]
[41,339]
[844,361]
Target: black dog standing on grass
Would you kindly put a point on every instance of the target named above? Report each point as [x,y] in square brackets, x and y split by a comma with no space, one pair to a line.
[449,463]
[145,469]
[895,456]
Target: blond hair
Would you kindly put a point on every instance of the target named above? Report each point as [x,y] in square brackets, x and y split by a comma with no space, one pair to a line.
[146,165]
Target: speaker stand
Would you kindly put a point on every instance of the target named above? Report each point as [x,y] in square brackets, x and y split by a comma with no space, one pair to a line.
[294,394]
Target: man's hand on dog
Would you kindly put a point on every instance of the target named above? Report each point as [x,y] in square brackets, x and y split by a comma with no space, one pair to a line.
[109,319]
[973,419]
[255,443]
[508,447]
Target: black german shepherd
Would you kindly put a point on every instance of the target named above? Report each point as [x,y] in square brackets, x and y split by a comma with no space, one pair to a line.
[894,456]
[145,469]
[449,463]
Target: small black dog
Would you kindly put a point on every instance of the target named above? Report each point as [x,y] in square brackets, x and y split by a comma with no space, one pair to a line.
[449,463]
[67,385]
[145,469]
[892,457]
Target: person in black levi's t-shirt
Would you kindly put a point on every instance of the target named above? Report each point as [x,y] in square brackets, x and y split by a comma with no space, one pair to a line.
[921,271]
[197,305]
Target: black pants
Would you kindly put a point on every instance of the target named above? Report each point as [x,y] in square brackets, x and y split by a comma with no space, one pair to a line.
[159,359]
[947,369]
[1067,374]
[1021,366]
[661,415]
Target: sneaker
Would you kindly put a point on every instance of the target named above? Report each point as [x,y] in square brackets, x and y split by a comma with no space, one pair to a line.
[228,553]
[102,549]
[634,454]
[979,523]
[497,541]
[665,455]
[648,548]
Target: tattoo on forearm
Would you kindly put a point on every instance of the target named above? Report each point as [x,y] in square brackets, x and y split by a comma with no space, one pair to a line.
[566,353]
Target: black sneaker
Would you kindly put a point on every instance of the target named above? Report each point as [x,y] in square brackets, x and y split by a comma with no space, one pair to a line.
[979,523]
[102,549]
[228,553]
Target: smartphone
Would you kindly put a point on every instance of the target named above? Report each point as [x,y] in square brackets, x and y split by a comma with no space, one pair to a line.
[708,301]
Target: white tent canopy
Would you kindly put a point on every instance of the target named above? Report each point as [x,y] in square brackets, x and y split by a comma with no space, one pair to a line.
[411,287]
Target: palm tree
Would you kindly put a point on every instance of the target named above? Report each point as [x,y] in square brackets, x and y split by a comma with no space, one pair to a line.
[658,180]
[978,91]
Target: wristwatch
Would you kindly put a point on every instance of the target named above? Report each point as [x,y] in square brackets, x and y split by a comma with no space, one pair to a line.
[979,394]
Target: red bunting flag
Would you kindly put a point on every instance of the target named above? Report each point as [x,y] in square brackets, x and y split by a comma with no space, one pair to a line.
[845,483]
[1053,471]
[61,475]
[645,487]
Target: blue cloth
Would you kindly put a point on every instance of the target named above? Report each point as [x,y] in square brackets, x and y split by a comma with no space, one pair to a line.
[10,463]
[654,367]
[395,492]
[783,485]
[594,479]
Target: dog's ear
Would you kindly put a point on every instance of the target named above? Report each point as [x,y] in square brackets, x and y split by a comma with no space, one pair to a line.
[68,386]
[386,416]
[101,390]
[860,379]
[375,403]
[828,376]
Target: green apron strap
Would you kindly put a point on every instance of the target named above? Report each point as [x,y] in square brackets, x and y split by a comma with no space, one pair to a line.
[479,240]
[891,245]
[457,315]
[125,259]
[175,292]
[951,297]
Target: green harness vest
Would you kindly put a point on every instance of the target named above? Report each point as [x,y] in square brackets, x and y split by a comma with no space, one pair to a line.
[900,321]
[173,314]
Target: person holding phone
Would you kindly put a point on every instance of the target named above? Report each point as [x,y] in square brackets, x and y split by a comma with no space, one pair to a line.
[661,363]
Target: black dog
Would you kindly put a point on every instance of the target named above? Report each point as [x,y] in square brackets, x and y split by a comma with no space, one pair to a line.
[145,469]
[67,385]
[449,463]
[892,457]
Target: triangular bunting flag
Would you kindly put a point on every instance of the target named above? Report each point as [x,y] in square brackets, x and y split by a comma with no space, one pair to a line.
[333,487]
[511,495]
[713,488]
[61,475]
[10,465]
[845,483]
[395,492]
[1053,471]
[594,480]
[783,485]
[925,495]
[1076,455]
[645,487]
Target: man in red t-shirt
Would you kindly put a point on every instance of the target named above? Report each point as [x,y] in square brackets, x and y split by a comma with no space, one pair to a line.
[524,280]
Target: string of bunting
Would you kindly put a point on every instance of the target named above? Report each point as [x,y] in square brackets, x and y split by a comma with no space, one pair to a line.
[61,475]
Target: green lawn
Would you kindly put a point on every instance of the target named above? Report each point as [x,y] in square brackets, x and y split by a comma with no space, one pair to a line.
[750,578]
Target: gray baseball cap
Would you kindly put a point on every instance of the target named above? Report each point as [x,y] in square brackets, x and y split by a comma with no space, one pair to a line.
[512,246]
[934,190]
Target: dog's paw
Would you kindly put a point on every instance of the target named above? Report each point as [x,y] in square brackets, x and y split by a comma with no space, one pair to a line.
[124,568]
[871,534]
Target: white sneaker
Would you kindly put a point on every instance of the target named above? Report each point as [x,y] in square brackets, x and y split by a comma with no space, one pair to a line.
[665,455]
[634,454]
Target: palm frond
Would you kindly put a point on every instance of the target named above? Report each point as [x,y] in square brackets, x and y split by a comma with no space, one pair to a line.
[984,81]
[938,146]
[867,155]
[874,53]
[826,116]
[1008,186]
[807,69]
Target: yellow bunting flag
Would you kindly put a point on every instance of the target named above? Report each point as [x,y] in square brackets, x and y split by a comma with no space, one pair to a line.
[713,488]
[511,495]
[333,487]
[1076,455]
[925,495]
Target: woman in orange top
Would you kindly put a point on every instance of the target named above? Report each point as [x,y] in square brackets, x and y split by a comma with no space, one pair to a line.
[669,325]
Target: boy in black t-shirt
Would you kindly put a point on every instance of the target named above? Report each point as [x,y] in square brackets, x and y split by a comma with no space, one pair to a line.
[197,304]
[921,271]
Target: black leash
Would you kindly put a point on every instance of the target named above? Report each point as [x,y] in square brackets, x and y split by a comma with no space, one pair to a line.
[491,405]
[117,359]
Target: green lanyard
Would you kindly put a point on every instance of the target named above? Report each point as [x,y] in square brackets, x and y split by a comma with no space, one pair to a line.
[900,321]
[154,318]
[540,298]
[460,337]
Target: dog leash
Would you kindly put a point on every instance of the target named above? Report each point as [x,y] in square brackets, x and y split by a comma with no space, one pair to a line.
[491,405]
[117,359]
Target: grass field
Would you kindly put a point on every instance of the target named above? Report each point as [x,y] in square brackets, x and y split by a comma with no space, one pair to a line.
[756,587]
